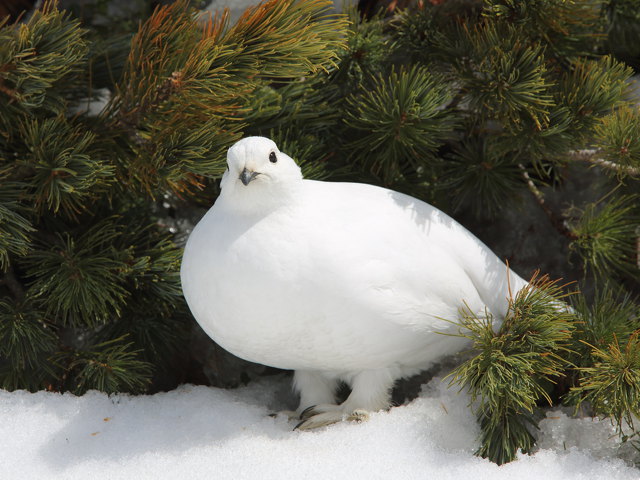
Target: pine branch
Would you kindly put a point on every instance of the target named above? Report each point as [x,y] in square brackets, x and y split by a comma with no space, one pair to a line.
[503,77]
[39,59]
[109,367]
[270,34]
[367,52]
[431,33]
[25,338]
[614,166]
[612,384]
[130,120]
[609,316]
[567,29]
[400,123]
[66,170]
[606,236]
[15,227]
[514,362]
[560,224]
[157,332]
[594,156]
[80,277]
[187,89]
[590,90]
[477,175]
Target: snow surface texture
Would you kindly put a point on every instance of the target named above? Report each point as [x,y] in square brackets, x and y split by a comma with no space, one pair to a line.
[208,433]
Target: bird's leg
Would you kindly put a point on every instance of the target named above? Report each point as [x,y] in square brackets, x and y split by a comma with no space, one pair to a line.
[370,392]
[314,388]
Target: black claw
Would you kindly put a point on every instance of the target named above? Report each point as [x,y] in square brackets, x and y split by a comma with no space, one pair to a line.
[307,412]
[299,425]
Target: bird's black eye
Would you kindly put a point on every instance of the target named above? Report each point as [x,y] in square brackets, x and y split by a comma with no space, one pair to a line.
[272,157]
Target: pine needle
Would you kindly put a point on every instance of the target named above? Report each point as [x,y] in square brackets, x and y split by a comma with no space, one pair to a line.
[516,360]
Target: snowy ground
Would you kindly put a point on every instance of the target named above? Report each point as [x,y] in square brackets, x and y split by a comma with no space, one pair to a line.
[201,432]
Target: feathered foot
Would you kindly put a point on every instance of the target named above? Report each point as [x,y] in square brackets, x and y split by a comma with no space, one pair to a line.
[322,415]
[369,393]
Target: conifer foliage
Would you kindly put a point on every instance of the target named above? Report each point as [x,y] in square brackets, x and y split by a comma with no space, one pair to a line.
[472,105]
[90,294]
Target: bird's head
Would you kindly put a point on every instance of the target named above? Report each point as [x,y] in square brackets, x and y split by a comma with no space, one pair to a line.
[258,174]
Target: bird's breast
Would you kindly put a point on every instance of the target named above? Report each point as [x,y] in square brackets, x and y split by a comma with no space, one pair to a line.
[245,285]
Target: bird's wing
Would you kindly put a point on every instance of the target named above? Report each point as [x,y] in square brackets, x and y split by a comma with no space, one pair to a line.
[404,257]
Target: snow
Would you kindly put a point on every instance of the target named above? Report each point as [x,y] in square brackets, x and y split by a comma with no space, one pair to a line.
[200,432]
[92,106]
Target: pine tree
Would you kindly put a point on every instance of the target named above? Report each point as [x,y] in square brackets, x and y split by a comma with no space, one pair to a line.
[476,106]
[90,294]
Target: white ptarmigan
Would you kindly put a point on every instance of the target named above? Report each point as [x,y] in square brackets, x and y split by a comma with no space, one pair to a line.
[337,281]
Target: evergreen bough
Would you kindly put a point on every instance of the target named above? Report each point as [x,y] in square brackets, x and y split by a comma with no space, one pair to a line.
[90,295]
[515,364]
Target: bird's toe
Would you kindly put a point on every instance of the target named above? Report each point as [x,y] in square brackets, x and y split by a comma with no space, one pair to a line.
[319,416]
[318,409]
[358,415]
[319,420]
[308,412]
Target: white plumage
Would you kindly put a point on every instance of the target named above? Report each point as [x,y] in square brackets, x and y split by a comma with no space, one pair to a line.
[337,281]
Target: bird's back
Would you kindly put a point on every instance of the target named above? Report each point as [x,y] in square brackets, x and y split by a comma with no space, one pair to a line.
[414,241]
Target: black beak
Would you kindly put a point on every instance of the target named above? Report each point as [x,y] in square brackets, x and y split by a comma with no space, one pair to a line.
[246,176]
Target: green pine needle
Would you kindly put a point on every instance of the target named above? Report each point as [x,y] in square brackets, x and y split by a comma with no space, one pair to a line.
[367,52]
[270,35]
[400,123]
[38,60]
[187,88]
[15,228]
[67,172]
[502,437]
[591,89]
[157,335]
[514,363]
[109,367]
[566,27]
[25,335]
[479,176]
[305,105]
[80,279]
[505,76]
[612,384]
[606,236]
[431,34]
[609,316]
[618,137]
